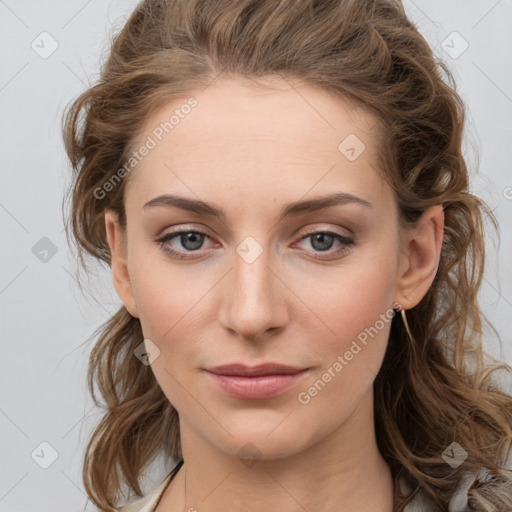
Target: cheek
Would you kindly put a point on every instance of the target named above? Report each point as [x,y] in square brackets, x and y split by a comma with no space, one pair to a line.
[354,309]
[336,307]
[169,301]
[167,294]
[342,301]
[347,299]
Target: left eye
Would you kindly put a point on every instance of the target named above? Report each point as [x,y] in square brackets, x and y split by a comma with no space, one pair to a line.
[192,241]
[323,240]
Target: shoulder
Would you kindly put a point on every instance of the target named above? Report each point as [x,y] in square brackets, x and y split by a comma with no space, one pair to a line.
[147,503]
[459,501]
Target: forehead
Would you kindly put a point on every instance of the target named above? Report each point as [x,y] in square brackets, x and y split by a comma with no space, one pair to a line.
[254,138]
[298,113]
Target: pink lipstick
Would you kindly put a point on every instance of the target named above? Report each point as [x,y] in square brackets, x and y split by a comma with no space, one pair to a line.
[257,382]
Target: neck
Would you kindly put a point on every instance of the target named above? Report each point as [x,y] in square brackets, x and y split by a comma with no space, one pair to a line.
[343,472]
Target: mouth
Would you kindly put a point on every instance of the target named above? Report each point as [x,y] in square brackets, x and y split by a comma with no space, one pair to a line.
[258,382]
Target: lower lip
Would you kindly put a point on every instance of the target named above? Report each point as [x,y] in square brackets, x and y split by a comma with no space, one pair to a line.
[256,388]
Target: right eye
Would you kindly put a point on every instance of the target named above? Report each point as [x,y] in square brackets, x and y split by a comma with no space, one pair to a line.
[191,241]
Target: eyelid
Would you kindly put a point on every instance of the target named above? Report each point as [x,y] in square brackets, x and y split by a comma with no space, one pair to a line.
[346,241]
[179,231]
[181,228]
[184,228]
[327,231]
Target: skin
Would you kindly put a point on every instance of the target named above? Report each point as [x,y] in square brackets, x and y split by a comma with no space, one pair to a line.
[251,151]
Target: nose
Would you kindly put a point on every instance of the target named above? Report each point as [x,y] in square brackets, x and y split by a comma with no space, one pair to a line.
[253,303]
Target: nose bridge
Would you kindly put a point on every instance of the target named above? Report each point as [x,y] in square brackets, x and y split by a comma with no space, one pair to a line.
[253,302]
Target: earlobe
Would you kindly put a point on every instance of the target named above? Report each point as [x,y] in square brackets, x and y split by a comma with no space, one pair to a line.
[120,274]
[421,257]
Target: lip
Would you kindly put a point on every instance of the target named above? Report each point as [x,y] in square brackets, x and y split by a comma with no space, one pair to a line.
[257,382]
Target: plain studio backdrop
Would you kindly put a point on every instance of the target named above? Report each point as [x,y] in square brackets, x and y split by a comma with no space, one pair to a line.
[51,52]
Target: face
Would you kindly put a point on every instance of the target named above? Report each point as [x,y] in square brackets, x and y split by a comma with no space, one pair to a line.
[256,278]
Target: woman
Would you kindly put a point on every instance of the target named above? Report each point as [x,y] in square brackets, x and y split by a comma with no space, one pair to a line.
[280,191]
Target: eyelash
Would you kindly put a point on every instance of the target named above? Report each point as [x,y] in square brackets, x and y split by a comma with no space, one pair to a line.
[345,241]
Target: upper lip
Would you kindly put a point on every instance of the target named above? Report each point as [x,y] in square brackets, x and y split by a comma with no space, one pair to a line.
[242,370]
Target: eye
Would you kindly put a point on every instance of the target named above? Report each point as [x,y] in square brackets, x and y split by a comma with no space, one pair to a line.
[193,240]
[322,241]
[190,240]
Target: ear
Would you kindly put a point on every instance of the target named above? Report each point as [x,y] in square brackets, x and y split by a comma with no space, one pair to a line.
[420,259]
[121,278]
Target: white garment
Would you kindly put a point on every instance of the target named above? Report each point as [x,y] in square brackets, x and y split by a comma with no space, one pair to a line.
[148,503]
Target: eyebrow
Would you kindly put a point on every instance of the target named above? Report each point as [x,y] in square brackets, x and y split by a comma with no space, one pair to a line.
[289,210]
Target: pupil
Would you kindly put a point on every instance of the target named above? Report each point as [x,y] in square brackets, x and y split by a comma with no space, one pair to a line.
[194,238]
[320,237]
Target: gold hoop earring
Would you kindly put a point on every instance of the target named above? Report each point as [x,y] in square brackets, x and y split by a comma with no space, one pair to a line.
[406,324]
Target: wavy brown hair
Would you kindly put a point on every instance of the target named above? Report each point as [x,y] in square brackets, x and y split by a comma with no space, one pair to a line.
[433,388]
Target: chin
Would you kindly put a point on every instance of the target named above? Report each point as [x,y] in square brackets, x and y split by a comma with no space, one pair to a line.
[258,446]
[263,435]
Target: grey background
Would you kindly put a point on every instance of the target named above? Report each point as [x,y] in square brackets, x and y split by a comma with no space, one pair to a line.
[45,318]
